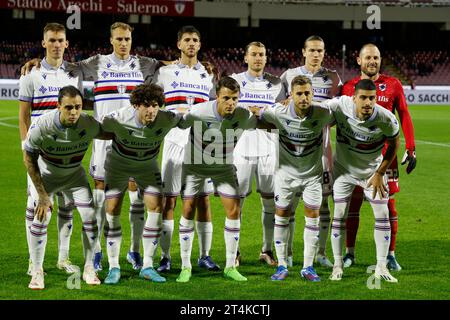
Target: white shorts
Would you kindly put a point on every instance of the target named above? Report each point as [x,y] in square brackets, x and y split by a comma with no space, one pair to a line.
[147,178]
[287,186]
[262,167]
[75,188]
[97,163]
[345,183]
[224,179]
[171,169]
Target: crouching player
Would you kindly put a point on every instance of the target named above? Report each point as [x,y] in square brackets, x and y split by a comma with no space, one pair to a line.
[138,131]
[300,170]
[209,154]
[362,128]
[54,148]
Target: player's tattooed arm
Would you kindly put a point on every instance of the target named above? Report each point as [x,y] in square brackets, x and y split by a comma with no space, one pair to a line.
[24,120]
[44,203]
[377,181]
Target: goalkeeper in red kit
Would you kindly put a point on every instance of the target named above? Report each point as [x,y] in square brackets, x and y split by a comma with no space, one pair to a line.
[390,95]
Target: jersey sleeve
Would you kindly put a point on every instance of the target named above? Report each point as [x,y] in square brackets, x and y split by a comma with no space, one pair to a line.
[284,92]
[108,123]
[268,114]
[26,90]
[33,141]
[336,87]
[251,121]
[149,66]
[405,118]
[391,128]
[89,67]
[187,120]
[93,125]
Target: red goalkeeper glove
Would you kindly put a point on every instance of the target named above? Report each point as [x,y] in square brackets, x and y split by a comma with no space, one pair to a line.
[410,158]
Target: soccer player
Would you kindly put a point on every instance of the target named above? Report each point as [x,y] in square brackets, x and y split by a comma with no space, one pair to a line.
[363,127]
[54,148]
[255,153]
[300,170]
[390,95]
[185,84]
[38,95]
[209,154]
[326,85]
[138,132]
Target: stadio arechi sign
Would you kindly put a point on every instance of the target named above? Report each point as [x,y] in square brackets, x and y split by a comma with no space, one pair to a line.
[147,7]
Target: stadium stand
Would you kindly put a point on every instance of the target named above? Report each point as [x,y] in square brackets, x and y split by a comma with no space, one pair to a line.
[421,67]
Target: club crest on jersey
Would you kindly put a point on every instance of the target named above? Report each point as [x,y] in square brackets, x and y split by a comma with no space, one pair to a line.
[158,132]
[132,65]
[82,133]
[203,75]
[70,75]
[179,7]
[190,100]
[325,78]
[235,125]
[269,85]
[42,89]
[382,86]
[121,88]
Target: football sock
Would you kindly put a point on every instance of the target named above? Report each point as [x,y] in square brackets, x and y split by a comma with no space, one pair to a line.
[89,233]
[166,238]
[324,224]
[64,221]
[382,231]
[137,220]
[281,230]
[113,238]
[152,232]
[204,231]
[38,241]
[29,217]
[100,215]
[231,234]
[186,235]
[268,219]
[393,219]
[338,231]
[310,240]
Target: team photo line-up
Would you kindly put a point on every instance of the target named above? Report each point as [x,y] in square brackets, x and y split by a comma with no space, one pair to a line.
[218,133]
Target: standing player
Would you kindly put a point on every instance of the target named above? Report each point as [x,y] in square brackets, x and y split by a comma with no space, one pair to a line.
[255,153]
[300,171]
[209,154]
[390,95]
[138,131]
[38,95]
[185,84]
[363,127]
[54,148]
[326,85]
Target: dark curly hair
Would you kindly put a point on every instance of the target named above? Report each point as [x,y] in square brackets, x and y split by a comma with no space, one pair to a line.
[146,94]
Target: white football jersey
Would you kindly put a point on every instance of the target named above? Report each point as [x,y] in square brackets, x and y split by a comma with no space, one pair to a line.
[184,86]
[300,139]
[114,79]
[359,143]
[256,92]
[41,86]
[322,82]
[133,143]
[212,138]
[60,149]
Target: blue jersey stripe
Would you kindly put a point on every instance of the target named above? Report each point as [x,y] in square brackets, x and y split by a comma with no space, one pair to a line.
[43,97]
[102,81]
[116,98]
[256,101]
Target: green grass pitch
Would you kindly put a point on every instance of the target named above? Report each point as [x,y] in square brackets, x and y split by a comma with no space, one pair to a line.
[423,244]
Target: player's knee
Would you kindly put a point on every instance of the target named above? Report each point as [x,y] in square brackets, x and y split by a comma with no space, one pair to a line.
[268,205]
[99,184]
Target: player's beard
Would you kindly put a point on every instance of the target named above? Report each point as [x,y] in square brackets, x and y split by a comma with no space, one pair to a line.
[369,73]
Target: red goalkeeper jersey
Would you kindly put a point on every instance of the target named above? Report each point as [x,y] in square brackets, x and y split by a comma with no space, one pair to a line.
[391,96]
